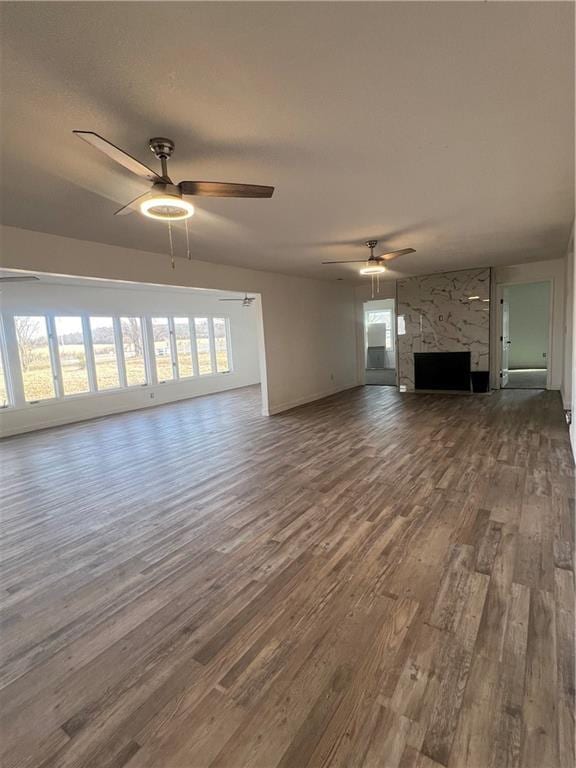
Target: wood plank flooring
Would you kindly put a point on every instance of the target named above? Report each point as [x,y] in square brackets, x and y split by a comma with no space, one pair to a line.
[373,580]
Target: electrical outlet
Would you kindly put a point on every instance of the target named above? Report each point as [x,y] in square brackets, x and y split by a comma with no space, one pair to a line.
[152,395]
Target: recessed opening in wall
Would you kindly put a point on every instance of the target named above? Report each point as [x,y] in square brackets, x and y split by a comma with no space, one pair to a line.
[380,342]
[74,348]
[525,335]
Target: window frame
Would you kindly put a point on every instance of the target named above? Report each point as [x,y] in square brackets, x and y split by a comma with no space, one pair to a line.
[54,360]
[211,346]
[145,352]
[12,363]
[152,348]
[193,355]
[88,351]
[228,345]
[119,363]
[6,369]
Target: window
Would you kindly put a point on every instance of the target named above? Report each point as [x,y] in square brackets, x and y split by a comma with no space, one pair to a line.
[35,359]
[382,316]
[133,346]
[61,356]
[221,345]
[72,352]
[4,397]
[162,349]
[105,356]
[203,345]
[183,347]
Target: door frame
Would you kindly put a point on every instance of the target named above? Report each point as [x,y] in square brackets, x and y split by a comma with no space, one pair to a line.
[499,320]
[394,334]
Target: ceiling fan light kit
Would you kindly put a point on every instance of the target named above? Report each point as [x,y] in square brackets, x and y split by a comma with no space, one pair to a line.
[376,269]
[167,205]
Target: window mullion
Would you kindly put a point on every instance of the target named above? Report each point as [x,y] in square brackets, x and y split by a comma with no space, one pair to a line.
[229,345]
[173,348]
[89,349]
[212,344]
[54,356]
[193,347]
[120,359]
[149,353]
[12,370]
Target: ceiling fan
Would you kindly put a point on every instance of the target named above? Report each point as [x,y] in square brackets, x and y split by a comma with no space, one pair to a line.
[246,300]
[374,264]
[164,201]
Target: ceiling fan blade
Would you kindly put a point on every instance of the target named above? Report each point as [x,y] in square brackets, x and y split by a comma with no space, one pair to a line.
[231,299]
[18,279]
[118,155]
[395,254]
[224,189]
[354,261]
[130,207]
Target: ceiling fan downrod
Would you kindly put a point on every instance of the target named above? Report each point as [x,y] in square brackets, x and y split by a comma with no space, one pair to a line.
[163,150]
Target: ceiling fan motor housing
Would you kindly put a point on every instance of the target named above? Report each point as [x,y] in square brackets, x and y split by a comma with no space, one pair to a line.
[162,148]
[372,244]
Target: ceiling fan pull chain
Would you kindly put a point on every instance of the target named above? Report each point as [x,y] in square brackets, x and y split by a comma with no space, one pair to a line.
[171,244]
[187,241]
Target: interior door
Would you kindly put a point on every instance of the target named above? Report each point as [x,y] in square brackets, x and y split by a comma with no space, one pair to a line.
[505,342]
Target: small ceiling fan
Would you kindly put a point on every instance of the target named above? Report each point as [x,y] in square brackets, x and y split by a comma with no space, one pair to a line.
[164,201]
[246,300]
[374,264]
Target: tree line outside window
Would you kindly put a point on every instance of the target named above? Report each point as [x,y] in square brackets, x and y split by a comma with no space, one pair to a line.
[62,355]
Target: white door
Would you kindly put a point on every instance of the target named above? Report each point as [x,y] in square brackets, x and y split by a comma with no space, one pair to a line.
[505,342]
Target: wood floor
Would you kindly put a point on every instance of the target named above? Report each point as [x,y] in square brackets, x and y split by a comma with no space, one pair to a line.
[375,580]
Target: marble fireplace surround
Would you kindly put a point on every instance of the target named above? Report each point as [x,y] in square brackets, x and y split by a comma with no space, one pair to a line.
[441,314]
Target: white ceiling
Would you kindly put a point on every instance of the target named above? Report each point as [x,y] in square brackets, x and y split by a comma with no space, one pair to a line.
[446,127]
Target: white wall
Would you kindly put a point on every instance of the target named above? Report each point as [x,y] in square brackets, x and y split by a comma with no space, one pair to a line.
[529,312]
[38,298]
[569,378]
[307,332]
[538,271]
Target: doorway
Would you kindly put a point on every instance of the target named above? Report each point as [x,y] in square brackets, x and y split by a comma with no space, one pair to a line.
[525,336]
[379,343]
